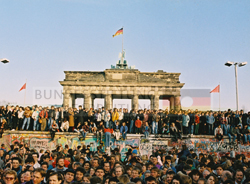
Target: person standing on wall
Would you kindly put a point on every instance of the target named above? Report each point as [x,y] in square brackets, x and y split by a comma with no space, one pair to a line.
[43,116]
[115,116]
[27,114]
[132,117]
[71,120]
[51,114]
[210,122]
[124,130]
[108,132]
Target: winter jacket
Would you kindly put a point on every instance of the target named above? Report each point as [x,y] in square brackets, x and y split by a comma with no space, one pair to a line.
[185,120]
[120,116]
[197,119]
[27,113]
[210,120]
[115,116]
[43,114]
[107,117]
[218,130]
[122,129]
[35,115]
[235,131]
[108,130]
[138,123]
[132,116]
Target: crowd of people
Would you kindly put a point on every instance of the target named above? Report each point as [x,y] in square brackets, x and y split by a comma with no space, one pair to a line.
[119,122]
[22,165]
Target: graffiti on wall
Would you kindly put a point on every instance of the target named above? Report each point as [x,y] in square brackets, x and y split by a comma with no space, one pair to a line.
[42,141]
[206,146]
[125,145]
[146,149]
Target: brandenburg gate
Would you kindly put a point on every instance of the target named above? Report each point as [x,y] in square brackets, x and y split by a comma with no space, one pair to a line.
[121,84]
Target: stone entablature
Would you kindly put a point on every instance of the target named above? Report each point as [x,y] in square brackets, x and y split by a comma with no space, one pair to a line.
[129,75]
[125,83]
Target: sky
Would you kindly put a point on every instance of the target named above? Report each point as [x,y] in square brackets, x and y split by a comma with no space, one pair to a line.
[44,38]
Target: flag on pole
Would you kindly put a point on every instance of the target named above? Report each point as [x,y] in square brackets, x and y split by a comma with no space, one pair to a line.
[23,87]
[216,90]
[195,99]
[120,31]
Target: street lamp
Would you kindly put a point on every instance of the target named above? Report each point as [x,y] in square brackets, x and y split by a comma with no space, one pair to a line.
[4,60]
[230,63]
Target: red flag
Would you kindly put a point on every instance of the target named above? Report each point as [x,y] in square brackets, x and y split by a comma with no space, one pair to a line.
[216,90]
[23,87]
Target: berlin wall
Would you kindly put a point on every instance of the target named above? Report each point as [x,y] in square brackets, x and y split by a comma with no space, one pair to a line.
[205,144]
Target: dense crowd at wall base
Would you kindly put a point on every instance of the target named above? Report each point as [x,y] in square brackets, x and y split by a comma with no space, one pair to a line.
[203,144]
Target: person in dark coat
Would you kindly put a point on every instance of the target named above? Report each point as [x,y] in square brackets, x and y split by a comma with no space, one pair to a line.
[80,115]
[185,152]
[174,131]
[203,125]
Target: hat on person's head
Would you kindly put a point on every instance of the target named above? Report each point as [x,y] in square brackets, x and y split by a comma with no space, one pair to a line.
[183,158]
[134,151]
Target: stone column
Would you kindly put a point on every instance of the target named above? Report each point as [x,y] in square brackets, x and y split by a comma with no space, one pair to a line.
[92,101]
[135,102]
[152,102]
[177,103]
[156,102]
[87,101]
[108,102]
[67,100]
[171,103]
[73,97]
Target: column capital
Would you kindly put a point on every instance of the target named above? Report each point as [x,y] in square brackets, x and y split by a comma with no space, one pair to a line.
[86,95]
